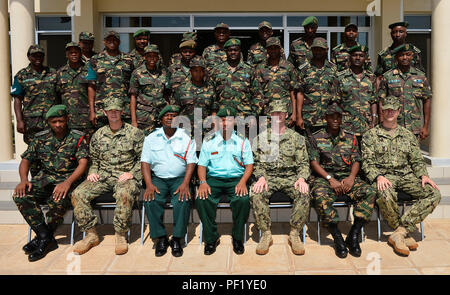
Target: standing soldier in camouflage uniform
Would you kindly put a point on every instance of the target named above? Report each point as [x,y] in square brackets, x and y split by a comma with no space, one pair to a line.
[179,72]
[109,75]
[356,93]
[340,54]
[300,49]
[141,40]
[148,87]
[86,40]
[283,166]
[412,89]
[176,57]
[335,161]
[63,157]
[34,92]
[215,54]
[392,161]
[317,88]
[115,152]
[386,58]
[257,54]
[72,87]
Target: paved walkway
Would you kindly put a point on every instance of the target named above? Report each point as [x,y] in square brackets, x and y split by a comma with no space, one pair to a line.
[432,256]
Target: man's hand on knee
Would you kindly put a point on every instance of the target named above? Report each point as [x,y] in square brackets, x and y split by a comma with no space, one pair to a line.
[22,189]
[61,191]
[301,185]
[383,183]
[94,177]
[426,179]
[260,185]
[125,176]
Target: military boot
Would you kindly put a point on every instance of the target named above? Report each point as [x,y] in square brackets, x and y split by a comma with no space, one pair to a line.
[33,244]
[339,245]
[121,243]
[411,243]
[46,243]
[352,240]
[295,242]
[397,241]
[264,244]
[91,240]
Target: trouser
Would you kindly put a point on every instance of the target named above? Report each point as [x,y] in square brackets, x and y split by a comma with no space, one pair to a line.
[155,208]
[240,207]
[260,202]
[324,196]
[29,206]
[426,201]
[125,193]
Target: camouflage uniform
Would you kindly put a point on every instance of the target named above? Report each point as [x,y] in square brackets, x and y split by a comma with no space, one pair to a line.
[411,89]
[58,159]
[386,60]
[112,154]
[299,52]
[88,37]
[37,91]
[337,156]
[281,163]
[176,57]
[190,96]
[71,85]
[139,60]
[179,75]
[318,88]
[214,56]
[356,96]
[397,157]
[257,54]
[341,58]
[149,90]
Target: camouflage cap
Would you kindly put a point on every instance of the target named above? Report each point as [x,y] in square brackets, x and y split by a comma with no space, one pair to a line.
[278,106]
[151,48]
[141,32]
[169,109]
[357,48]
[188,44]
[73,44]
[264,24]
[222,25]
[112,33]
[273,41]
[232,42]
[310,20]
[402,48]
[320,42]
[189,36]
[390,102]
[35,48]
[333,108]
[113,103]
[58,110]
[226,111]
[398,24]
[198,61]
[351,25]
[87,36]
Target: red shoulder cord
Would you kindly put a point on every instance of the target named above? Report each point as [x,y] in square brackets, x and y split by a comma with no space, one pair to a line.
[241,163]
[353,148]
[185,154]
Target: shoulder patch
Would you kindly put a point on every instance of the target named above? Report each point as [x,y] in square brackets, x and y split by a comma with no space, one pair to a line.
[303,66]
[42,132]
[78,132]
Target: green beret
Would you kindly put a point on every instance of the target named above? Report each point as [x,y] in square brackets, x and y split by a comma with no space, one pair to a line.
[188,44]
[86,36]
[58,110]
[167,109]
[151,48]
[113,103]
[390,102]
[265,24]
[273,41]
[320,42]
[232,42]
[112,33]
[198,61]
[402,48]
[226,111]
[351,25]
[222,25]
[141,32]
[278,106]
[397,24]
[357,48]
[73,44]
[310,20]
[35,48]
[189,36]
[333,108]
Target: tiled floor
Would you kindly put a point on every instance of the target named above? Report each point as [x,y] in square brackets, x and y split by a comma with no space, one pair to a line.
[432,256]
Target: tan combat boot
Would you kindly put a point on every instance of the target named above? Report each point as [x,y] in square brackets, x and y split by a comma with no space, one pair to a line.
[295,242]
[91,240]
[411,243]
[121,243]
[397,241]
[264,244]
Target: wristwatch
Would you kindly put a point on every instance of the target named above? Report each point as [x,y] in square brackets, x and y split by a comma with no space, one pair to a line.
[202,181]
[328,177]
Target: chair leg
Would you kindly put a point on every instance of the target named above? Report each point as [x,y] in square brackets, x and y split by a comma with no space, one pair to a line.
[304,234]
[422,234]
[378,224]
[29,234]
[142,224]
[318,229]
[362,234]
[185,239]
[129,234]
[201,232]
[101,216]
[84,234]
[72,229]
[245,233]
[260,234]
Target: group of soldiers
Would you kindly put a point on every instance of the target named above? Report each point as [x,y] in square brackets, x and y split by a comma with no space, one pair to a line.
[108,122]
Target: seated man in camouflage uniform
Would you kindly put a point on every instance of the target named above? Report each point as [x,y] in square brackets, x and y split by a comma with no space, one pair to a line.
[63,157]
[392,161]
[283,166]
[335,161]
[115,151]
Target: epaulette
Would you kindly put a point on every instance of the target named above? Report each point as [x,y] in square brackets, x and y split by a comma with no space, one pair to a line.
[303,65]
[81,133]
[417,49]
[384,51]
[337,47]
[210,137]
[349,132]
[40,133]
[341,73]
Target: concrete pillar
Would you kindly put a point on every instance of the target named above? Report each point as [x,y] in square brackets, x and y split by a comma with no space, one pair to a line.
[6,145]
[22,16]
[390,12]
[83,19]
[440,103]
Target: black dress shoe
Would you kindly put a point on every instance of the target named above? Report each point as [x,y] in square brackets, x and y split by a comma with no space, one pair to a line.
[161,246]
[31,246]
[177,249]
[352,240]
[340,249]
[238,247]
[44,247]
[211,248]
